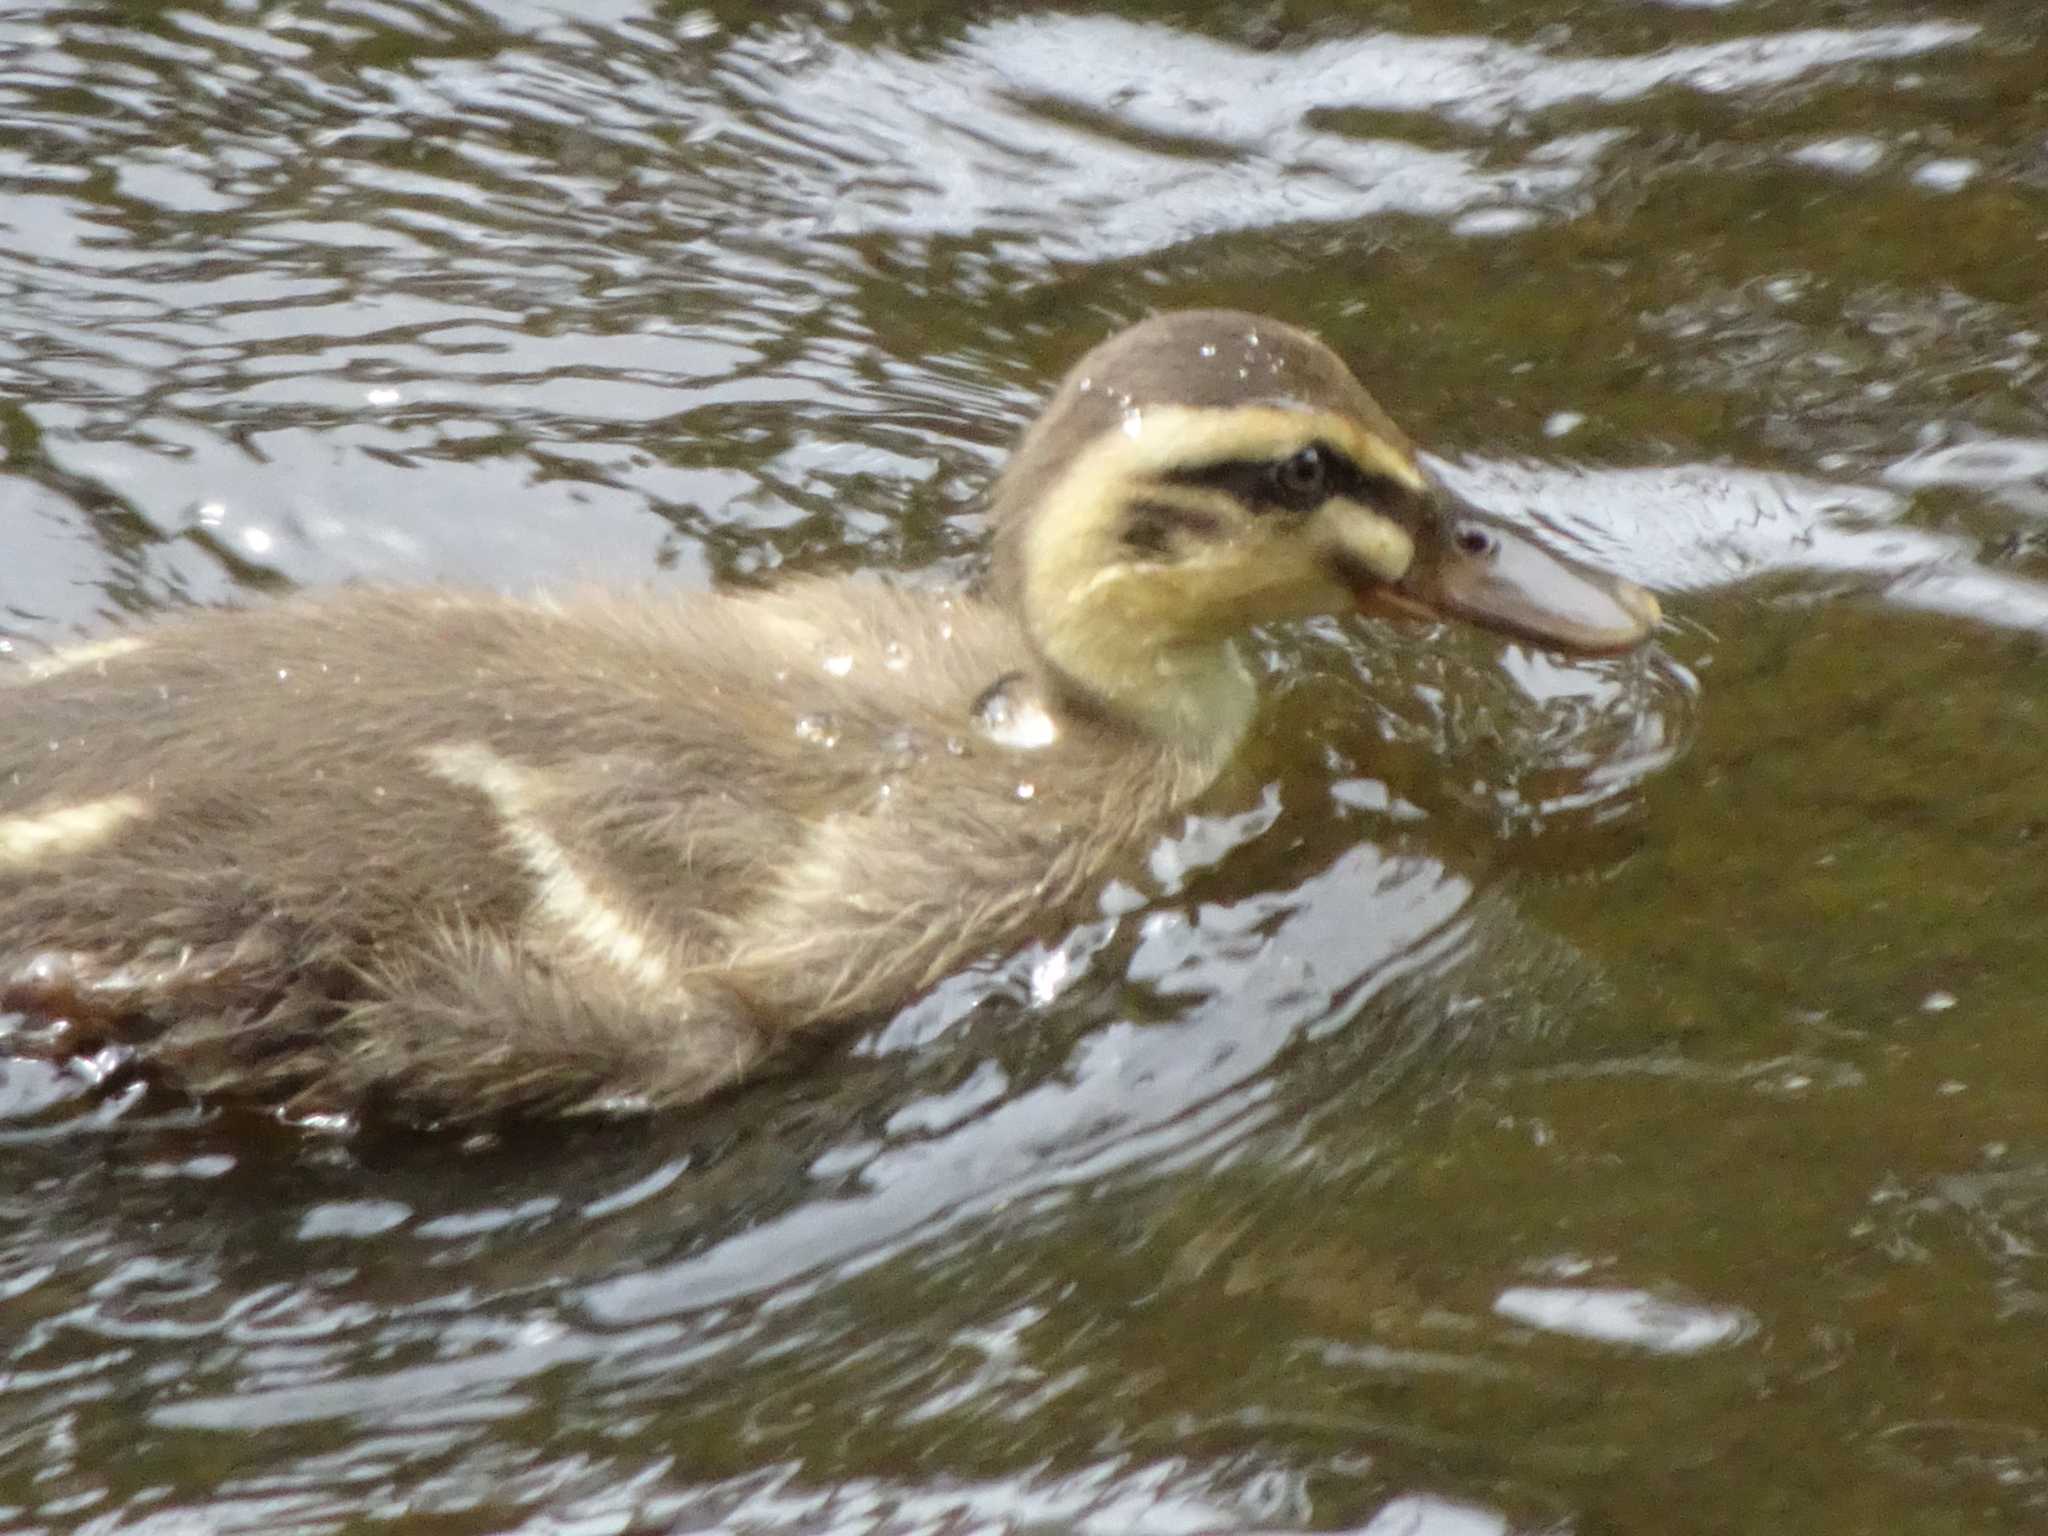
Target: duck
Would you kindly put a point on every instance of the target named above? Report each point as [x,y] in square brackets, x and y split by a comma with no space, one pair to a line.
[453,855]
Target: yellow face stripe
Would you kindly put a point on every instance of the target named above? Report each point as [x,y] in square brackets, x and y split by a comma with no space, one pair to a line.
[1073,543]
[1378,543]
[1149,628]
[1157,439]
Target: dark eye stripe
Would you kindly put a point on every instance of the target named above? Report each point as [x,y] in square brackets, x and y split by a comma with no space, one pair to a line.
[1377,489]
[1251,481]
[1152,525]
[1243,478]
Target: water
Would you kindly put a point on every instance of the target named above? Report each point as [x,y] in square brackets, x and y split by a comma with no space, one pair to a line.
[1530,1096]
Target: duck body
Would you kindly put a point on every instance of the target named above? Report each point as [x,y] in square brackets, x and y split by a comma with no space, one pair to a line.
[626,853]
[455,854]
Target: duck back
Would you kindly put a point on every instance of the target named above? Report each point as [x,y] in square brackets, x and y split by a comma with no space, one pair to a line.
[457,854]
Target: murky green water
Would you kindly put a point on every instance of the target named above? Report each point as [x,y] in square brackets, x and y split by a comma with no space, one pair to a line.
[1534,1097]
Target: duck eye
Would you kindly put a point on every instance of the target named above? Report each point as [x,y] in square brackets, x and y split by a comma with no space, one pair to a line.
[1302,478]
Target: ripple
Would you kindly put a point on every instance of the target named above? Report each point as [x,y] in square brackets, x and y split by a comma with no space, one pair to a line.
[1635,1318]
[1183,1221]
[1980,464]
[1247,983]
[994,137]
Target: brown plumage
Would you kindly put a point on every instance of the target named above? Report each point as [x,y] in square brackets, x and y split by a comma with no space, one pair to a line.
[455,854]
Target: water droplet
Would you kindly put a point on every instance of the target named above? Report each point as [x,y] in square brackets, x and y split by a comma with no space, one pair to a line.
[1208,349]
[818,730]
[838,663]
[1134,423]
[1026,790]
[1085,385]
[893,657]
[955,747]
[1011,714]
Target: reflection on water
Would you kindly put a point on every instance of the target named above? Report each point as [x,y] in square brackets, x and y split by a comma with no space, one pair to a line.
[1095,138]
[1623,1317]
[1519,1101]
[1242,983]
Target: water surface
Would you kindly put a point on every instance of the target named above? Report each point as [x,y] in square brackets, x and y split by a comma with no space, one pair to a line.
[1531,1096]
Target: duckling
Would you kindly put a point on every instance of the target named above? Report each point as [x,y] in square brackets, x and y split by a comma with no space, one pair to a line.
[450,855]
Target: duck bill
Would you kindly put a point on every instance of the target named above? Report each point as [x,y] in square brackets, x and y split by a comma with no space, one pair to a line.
[1473,568]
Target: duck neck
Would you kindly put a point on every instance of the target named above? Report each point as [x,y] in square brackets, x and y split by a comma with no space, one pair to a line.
[1195,701]
[1112,640]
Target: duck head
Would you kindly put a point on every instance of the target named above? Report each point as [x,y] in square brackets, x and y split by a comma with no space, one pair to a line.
[1206,471]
